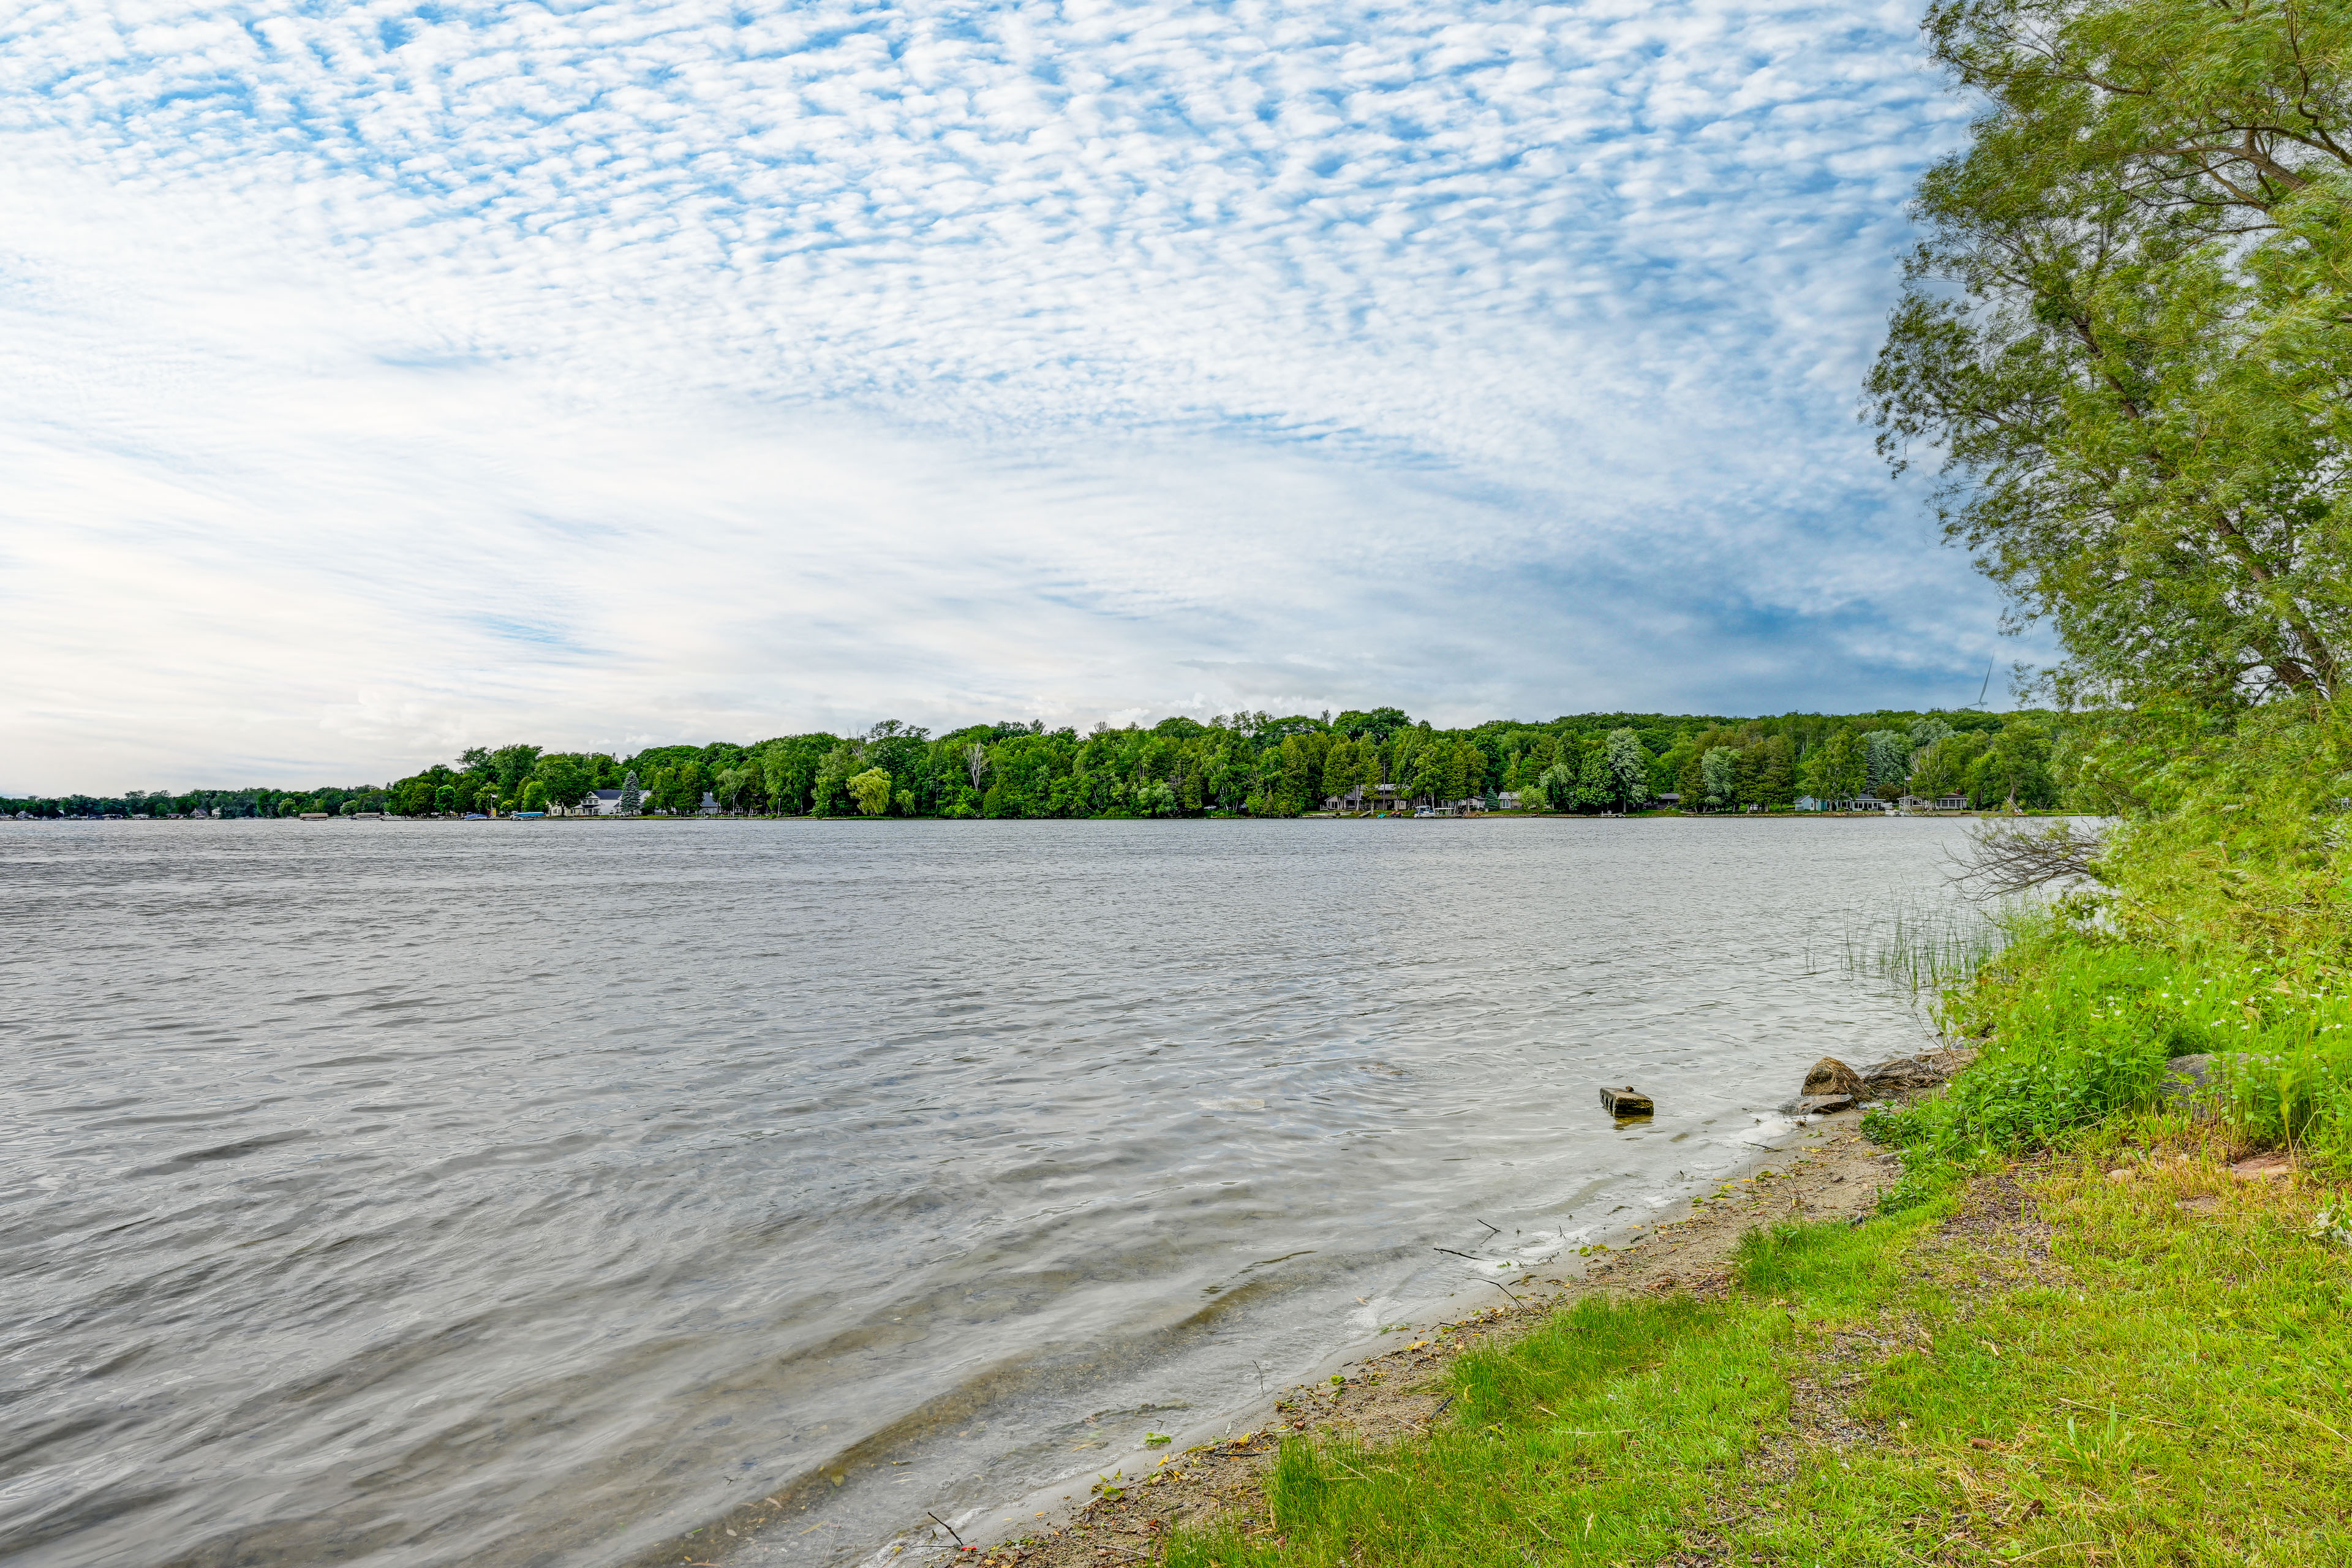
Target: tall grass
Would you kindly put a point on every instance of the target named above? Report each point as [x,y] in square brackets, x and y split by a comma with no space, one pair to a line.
[1923,946]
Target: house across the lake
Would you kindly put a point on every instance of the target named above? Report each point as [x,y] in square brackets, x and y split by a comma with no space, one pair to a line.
[1384,797]
[601,803]
[1941,802]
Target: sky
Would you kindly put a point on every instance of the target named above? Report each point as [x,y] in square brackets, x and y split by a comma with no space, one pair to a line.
[382,379]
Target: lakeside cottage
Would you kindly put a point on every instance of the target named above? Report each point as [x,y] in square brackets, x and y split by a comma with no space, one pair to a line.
[1377,797]
[1941,802]
[601,803]
[1384,797]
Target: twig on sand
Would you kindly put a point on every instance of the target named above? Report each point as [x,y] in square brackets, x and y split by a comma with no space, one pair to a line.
[943,1524]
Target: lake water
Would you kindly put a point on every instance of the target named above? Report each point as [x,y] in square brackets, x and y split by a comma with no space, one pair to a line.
[511,1192]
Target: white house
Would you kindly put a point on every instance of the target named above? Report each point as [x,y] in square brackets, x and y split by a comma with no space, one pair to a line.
[601,803]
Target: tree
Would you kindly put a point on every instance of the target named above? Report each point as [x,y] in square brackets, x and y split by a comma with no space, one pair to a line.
[633,798]
[1839,768]
[1629,769]
[871,790]
[1942,768]
[1595,784]
[510,765]
[1379,724]
[2126,335]
[2015,769]
[789,767]
[534,795]
[683,794]
[1887,755]
[1339,767]
[731,782]
[1668,769]
[832,776]
[1719,766]
[565,781]
[1776,772]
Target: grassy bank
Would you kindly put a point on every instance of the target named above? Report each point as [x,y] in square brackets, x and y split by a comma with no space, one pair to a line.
[2076,1331]
[2049,1361]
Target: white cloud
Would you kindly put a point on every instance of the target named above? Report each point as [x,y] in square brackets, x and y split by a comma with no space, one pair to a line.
[383,378]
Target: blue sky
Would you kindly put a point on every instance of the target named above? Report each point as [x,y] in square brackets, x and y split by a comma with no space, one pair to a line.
[382,379]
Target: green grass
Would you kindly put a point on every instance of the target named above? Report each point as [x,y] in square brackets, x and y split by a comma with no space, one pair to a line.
[2164,1386]
[2076,1025]
[2152,1367]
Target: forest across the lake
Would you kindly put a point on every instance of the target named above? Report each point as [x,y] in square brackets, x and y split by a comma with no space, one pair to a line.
[1252,764]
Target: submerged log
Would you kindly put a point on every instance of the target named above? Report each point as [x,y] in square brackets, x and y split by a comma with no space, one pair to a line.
[1626,1102]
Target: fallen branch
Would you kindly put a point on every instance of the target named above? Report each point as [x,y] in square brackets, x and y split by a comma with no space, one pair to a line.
[2002,862]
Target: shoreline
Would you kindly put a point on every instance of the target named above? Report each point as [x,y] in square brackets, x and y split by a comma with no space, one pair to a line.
[1819,1163]
[1989,814]
[1827,1172]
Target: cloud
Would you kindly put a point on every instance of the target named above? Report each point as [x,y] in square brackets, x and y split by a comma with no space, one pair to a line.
[385,378]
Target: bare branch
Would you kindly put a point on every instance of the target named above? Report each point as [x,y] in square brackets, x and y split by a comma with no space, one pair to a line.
[2002,862]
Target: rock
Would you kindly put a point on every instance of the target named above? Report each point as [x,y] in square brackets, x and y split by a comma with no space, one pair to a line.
[1818,1104]
[1901,1075]
[2185,1077]
[1830,1076]
[2189,1085]
[1626,1102]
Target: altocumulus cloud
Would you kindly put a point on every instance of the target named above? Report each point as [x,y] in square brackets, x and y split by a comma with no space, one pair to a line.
[382,378]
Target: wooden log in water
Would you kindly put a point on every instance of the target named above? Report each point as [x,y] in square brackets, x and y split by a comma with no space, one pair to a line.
[1626,1102]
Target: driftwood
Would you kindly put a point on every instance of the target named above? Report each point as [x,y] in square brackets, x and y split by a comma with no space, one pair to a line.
[2002,862]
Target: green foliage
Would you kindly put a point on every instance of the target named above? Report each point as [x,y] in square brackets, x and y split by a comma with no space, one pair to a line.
[2220,929]
[871,790]
[1717,775]
[1245,763]
[2078,1030]
[2125,334]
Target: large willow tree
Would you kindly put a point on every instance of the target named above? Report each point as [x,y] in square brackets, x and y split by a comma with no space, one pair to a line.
[2128,333]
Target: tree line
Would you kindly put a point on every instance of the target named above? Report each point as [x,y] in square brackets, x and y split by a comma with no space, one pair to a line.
[1252,764]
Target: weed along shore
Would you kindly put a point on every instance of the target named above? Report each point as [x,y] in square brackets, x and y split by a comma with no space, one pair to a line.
[2131,1350]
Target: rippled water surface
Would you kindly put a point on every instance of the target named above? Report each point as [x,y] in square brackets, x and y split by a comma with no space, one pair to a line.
[510,1192]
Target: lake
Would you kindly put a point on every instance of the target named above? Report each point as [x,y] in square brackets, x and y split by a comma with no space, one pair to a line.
[531,1193]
